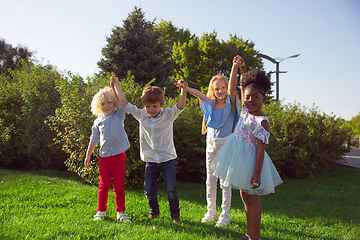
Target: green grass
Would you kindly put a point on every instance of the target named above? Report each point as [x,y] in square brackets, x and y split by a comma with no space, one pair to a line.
[57,205]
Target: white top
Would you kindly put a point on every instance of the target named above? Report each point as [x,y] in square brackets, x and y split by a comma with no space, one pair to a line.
[156,134]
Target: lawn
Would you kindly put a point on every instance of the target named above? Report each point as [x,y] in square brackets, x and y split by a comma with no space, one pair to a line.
[48,204]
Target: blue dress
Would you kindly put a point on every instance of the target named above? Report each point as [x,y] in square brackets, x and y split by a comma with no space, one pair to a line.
[235,162]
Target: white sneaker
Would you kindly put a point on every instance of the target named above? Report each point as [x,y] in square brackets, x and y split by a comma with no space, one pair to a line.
[209,217]
[122,217]
[99,216]
[223,222]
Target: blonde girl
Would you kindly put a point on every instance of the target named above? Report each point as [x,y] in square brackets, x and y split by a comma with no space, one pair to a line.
[221,113]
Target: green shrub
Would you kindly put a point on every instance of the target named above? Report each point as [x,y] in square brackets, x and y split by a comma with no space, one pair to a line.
[73,122]
[304,142]
[189,142]
[27,97]
[354,125]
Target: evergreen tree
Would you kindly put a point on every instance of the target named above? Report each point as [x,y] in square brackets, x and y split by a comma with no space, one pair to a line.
[170,34]
[136,47]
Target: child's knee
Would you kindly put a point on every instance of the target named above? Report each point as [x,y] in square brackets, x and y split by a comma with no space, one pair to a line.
[172,192]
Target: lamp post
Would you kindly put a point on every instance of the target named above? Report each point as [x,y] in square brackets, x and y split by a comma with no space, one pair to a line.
[277,69]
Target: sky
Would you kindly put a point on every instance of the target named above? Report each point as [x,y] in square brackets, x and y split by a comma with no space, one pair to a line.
[70,34]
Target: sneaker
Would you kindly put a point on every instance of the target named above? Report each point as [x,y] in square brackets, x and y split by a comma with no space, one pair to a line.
[122,217]
[209,217]
[99,216]
[176,218]
[223,222]
[152,215]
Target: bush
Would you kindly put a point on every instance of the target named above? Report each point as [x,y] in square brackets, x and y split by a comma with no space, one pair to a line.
[27,97]
[354,124]
[304,142]
[189,142]
[73,122]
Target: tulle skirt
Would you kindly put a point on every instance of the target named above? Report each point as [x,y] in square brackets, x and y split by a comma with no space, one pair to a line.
[235,164]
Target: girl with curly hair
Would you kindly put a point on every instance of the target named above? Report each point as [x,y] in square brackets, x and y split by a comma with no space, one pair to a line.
[242,162]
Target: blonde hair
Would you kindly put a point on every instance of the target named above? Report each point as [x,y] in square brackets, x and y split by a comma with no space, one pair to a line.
[153,94]
[211,94]
[104,95]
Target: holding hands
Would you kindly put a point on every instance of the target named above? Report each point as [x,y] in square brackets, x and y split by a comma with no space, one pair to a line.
[114,80]
[181,84]
[239,62]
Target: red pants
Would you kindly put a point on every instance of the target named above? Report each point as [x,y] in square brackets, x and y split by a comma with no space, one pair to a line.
[112,167]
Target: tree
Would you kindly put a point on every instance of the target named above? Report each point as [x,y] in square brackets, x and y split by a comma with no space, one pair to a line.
[197,60]
[354,124]
[10,56]
[171,34]
[136,48]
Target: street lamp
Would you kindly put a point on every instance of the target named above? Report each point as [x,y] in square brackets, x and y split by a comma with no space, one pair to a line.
[277,69]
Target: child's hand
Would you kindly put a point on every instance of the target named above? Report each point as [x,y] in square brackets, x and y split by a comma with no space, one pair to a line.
[86,162]
[239,61]
[255,181]
[114,80]
[181,83]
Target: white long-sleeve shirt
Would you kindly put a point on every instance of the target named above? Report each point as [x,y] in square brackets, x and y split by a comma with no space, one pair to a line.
[156,134]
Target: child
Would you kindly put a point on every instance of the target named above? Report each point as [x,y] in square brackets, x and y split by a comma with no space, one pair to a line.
[242,162]
[157,148]
[221,114]
[108,129]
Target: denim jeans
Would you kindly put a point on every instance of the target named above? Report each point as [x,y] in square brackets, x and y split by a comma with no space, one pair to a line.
[152,173]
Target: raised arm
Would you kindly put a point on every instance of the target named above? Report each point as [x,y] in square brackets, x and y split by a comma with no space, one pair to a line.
[238,62]
[233,84]
[182,101]
[114,82]
[184,85]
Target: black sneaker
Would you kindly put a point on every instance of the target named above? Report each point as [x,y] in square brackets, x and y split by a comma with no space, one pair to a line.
[176,218]
[152,215]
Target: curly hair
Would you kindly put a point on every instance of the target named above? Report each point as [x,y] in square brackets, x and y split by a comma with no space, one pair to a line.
[104,95]
[153,94]
[256,78]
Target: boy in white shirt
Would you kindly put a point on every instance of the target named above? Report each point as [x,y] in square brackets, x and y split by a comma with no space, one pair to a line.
[157,147]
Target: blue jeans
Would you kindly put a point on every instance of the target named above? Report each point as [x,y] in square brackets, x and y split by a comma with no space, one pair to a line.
[152,173]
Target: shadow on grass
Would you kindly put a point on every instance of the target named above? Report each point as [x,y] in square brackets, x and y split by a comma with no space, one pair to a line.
[194,228]
[325,200]
[43,172]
